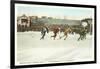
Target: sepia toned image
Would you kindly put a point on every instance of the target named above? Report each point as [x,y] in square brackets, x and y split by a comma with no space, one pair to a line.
[47,34]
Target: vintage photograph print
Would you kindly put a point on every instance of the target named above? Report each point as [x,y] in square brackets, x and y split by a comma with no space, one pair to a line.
[52,34]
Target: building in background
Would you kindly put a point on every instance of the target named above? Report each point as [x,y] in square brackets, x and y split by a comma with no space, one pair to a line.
[23,23]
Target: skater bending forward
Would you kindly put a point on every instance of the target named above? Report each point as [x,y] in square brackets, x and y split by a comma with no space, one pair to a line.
[55,31]
[44,30]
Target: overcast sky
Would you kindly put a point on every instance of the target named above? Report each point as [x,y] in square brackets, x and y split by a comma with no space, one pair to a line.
[54,11]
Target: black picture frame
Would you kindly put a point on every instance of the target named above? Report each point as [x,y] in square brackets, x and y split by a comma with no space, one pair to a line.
[12,33]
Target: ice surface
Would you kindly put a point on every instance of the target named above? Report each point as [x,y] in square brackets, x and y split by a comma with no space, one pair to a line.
[32,50]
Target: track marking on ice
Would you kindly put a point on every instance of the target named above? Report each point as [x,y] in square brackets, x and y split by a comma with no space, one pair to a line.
[60,54]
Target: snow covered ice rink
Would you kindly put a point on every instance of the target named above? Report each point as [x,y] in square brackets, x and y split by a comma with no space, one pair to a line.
[31,50]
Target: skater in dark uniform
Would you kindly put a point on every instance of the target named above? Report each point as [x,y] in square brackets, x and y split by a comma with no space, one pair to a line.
[43,31]
[82,34]
[55,31]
